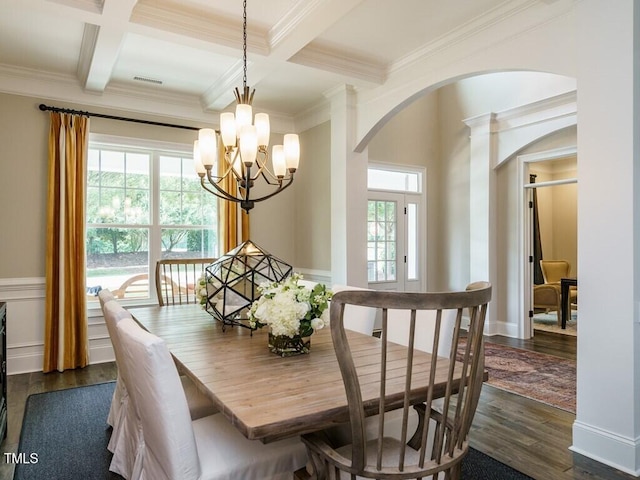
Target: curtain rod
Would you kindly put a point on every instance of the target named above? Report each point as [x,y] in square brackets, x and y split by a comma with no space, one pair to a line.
[46,108]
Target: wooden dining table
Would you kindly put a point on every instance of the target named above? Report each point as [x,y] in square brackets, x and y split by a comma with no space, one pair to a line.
[268,397]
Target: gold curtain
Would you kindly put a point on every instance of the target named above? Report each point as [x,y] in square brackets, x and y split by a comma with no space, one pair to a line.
[66,342]
[229,210]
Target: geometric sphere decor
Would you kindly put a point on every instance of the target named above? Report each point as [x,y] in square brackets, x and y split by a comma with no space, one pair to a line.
[233,280]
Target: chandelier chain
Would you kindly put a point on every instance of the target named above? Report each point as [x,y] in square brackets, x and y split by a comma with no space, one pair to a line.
[244,44]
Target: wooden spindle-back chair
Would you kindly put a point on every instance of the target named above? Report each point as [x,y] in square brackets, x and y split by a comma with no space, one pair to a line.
[177,279]
[441,441]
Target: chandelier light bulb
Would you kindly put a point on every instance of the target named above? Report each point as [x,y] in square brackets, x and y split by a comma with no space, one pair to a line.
[263,128]
[228,129]
[248,144]
[292,151]
[207,146]
[244,116]
[279,163]
[197,163]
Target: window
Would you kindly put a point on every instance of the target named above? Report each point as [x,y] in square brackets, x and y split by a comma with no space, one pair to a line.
[389,179]
[144,202]
[381,240]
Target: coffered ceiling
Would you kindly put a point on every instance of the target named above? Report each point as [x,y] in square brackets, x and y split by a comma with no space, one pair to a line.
[190,51]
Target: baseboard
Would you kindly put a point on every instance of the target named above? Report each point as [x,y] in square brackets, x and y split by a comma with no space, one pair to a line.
[27,358]
[622,453]
[502,328]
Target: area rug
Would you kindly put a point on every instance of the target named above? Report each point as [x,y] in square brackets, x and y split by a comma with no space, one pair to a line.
[548,322]
[67,431]
[541,377]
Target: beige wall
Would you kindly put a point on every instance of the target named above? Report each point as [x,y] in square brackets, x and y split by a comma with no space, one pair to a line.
[312,212]
[558,215]
[23,187]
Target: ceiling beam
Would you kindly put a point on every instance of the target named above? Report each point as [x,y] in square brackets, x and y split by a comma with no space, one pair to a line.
[305,21]
[101,44]
[297,28]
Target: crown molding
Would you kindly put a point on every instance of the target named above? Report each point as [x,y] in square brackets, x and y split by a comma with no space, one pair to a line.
[291,20]
[322,57]
[66,88]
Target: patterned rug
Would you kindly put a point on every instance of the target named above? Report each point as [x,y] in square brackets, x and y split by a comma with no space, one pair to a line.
[541,377]
[548,322]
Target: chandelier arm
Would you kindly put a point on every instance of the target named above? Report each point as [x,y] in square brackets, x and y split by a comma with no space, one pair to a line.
[238,176]
[262,165]
[273,180]
[282,187]
[204,186]
[220,191]
[263,170]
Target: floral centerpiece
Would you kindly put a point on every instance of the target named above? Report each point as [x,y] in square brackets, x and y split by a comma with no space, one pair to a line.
[292,312]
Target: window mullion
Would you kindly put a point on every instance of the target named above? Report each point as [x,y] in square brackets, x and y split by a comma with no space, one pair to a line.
[155,235]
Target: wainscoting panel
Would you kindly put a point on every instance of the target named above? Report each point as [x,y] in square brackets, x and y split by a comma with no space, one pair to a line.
[25,327]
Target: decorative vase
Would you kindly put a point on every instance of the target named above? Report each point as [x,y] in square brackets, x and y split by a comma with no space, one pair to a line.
[288,346]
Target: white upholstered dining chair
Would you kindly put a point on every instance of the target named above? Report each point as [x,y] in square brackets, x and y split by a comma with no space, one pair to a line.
[119,418]
[170,444]
[105,296]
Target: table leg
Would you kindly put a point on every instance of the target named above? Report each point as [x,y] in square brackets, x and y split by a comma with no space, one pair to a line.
[564,299]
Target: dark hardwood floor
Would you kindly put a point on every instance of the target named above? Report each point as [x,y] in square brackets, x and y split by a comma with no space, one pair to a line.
[532,437]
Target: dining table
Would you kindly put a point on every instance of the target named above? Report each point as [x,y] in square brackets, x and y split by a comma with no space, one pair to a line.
[268,397]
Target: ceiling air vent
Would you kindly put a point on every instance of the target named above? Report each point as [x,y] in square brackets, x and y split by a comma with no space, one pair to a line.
[148,80]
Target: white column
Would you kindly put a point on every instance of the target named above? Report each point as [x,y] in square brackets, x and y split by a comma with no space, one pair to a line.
[607,425]
[482,209]
[348,193]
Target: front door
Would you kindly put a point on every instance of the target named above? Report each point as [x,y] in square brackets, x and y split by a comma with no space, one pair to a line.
[393,241]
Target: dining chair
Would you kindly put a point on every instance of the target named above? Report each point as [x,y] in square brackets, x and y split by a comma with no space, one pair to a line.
[119,417]
[105,295]
[441,438]
[136,286]
[358,318]
[173,446]
[112,315]
[547,297]
[177,278]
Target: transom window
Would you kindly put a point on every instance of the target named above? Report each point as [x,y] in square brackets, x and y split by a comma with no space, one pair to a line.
[394,180]
[144,203]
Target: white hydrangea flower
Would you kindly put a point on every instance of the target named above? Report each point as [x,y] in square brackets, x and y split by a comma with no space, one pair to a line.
[317,323]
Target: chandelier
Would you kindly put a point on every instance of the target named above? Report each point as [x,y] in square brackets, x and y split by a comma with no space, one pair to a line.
[242,154]
[230,162]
